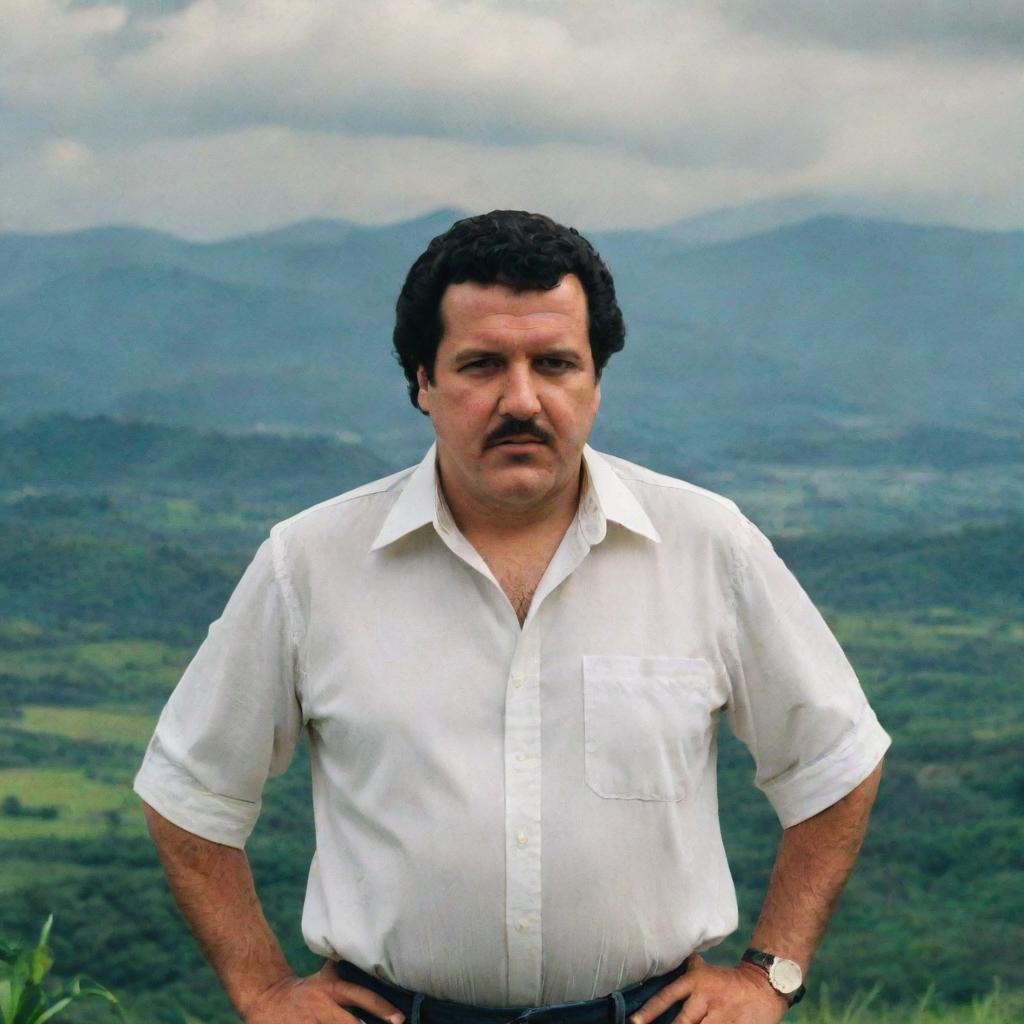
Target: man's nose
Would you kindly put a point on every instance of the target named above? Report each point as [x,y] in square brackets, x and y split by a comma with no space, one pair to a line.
[519,396]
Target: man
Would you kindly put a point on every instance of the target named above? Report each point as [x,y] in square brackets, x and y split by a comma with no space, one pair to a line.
[510,662]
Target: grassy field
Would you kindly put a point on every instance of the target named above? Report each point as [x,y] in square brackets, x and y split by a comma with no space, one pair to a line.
[104,725]
[996,1008]
[85,807]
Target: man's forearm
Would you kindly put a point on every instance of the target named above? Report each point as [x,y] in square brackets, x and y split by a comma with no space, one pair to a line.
[213,887]
[813,862]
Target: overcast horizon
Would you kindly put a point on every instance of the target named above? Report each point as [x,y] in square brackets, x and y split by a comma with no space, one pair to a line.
[842,207]
[215,118]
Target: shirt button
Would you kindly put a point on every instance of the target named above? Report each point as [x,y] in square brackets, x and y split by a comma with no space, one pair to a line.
[522,839]
[520,756]
[522,925]
[517,681]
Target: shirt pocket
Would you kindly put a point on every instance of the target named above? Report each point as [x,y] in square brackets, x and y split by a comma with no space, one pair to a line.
[647,725]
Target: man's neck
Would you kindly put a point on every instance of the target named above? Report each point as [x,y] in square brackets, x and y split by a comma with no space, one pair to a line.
[482,522]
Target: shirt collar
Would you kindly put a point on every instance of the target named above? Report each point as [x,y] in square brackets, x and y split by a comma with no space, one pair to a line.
[416,506]
[605,497]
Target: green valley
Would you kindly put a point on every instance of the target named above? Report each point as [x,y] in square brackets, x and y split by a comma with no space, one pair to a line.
[119,543]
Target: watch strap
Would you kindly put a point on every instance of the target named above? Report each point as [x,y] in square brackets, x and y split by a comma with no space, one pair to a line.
[758,958]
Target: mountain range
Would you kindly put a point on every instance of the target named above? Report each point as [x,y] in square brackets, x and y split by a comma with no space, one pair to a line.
[750,329]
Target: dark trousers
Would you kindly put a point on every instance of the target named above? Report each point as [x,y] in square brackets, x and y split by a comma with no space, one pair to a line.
[422,1009]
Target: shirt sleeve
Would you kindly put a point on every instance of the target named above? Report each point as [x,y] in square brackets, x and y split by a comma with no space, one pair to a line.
[795,700]
[233,719]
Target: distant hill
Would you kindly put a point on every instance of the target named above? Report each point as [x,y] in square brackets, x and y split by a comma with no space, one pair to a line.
[850,327]
[732,222]
[817,322]
[65,454]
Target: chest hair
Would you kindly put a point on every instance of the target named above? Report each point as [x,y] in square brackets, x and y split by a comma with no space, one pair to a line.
[518,572]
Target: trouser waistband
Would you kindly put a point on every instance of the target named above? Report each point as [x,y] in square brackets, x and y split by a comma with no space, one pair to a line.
[423,1009]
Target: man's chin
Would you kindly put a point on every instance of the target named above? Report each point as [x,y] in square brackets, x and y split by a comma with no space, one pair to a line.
[521,479]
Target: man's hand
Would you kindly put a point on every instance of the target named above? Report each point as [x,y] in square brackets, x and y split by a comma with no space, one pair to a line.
[318,999]
[717,995]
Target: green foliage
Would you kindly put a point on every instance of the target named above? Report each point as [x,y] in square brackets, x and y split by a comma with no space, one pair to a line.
[25,998]
[12,807]
[980,568]
[81,582]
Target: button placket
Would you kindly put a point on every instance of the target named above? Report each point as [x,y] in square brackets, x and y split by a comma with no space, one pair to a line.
[522,820]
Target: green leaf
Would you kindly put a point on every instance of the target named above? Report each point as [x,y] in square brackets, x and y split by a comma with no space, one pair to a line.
[99,991]
[55,1009]
[7,1002]
[29,1005]
[41,962]
[21,972]
[22,999]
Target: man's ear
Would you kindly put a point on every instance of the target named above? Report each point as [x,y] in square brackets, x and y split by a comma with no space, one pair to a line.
[423,398]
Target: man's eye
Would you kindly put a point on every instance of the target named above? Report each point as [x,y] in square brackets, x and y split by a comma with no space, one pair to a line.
[552,363]
[480,364]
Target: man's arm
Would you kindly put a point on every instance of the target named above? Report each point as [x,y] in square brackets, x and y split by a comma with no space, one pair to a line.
[814,860]
[213,887]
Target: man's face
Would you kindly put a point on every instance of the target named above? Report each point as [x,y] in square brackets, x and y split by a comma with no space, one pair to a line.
[513,396]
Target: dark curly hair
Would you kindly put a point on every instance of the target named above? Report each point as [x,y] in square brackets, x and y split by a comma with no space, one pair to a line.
[522,250]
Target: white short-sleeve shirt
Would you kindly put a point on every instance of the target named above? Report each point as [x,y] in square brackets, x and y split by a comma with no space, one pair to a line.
[505,814]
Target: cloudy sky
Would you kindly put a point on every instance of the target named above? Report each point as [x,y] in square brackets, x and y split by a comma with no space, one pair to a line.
[214,117]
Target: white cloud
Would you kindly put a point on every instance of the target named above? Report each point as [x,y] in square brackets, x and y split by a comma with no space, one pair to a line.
[469,70]
[227,114]
[50,58]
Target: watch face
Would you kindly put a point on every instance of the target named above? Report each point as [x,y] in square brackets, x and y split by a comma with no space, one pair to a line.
[785,976]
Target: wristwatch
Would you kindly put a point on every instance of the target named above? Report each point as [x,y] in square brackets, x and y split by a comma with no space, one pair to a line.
[784,976]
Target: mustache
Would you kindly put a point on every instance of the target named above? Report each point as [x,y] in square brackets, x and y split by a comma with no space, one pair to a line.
[516,428]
